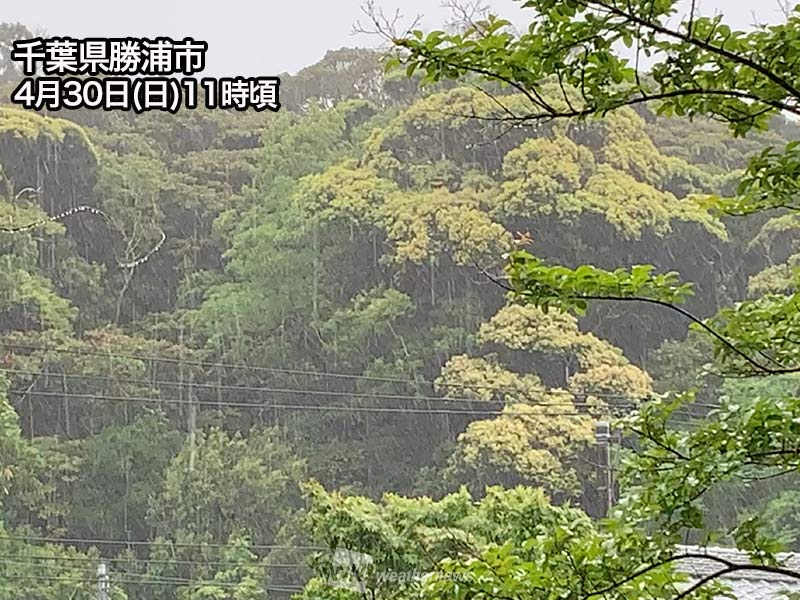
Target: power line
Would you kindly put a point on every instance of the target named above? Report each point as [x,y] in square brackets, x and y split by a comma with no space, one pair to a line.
[354,409]
[631,402]
[287,371]
[273,390]
[120,542]
[154,561]
[67,579]
[272,405]
[280,406]
[339,408]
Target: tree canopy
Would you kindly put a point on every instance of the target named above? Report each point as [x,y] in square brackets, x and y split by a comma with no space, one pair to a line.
[236,349]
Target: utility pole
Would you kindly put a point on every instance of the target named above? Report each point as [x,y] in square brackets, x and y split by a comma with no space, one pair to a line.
[192,424]
[102,582]
[603,437]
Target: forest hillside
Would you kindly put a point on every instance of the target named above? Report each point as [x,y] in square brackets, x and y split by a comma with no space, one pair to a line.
[218,327]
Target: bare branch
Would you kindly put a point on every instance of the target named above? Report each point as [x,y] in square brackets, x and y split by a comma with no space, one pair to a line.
[382,25]
[466,14]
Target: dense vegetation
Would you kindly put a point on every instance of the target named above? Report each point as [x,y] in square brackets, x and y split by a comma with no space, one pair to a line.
[312,350]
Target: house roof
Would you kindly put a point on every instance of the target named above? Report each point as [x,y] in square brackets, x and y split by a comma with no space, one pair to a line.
[745,584]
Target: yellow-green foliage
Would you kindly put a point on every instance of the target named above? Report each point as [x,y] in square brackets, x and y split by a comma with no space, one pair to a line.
[784,225]
[606,382]
[481,379]
[541,171]
[344,191]
[627,147]
[452,110]
[559,177]
[35,296]
[610,168]
[591,351]
[419,225]
[25,125]
[529,443]
[457,125]
[632,206]
[21,215]
[556,423]
[529,328]
[622,140]
[603,369]
[778,279]
[423,225]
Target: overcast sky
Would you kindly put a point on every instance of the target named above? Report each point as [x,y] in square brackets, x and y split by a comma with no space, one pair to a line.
[267,37]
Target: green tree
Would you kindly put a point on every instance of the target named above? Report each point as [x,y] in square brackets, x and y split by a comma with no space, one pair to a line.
[542,436]
[220,484]
[407,538]
[239,578]
[120,468]
[700,67]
